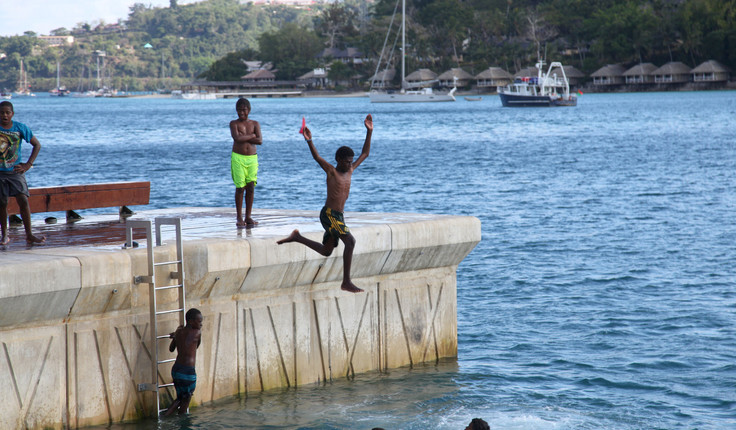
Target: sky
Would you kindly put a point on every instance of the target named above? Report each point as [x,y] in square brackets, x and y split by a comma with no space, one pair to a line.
[42,16]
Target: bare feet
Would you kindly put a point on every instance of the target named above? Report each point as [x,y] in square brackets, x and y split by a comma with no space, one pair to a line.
[249,222]
[292,237]
[33,240]
[5,241]
[350,287]
[240,224]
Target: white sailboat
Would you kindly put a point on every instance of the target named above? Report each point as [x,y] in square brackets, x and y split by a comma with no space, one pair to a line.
[405,95]
[23,88]
[59,90]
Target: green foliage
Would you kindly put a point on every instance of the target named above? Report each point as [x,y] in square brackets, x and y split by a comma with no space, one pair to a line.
[230,67]
[185,38]
[292,50]
[188,39]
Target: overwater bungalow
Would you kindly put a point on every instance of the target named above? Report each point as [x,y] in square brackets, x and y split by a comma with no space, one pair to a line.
[422,78]
[527,72]
[640,74]
[574,76]
[447,79]
[493,77]
[673,72]
[383,79]
[610,75]
[710,71]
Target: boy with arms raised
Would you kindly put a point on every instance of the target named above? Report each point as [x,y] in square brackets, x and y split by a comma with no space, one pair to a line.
[246,135]
[12,171]
[185,340]
[331,216]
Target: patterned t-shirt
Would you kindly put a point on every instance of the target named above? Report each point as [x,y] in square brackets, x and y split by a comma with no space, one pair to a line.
[10,140]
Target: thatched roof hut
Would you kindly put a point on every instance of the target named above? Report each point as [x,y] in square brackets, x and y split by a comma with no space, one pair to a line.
[527,72]
[317,78]
[574,76]
[421,78]
[383,78]
[612,74]
[447,79]
[673,72]
[710,71]
[640,74]
[260,75]
[493,77]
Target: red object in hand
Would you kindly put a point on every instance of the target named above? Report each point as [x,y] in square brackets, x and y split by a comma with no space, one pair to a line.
[304,124]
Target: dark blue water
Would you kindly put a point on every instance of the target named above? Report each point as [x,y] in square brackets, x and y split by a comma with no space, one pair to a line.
[603,293]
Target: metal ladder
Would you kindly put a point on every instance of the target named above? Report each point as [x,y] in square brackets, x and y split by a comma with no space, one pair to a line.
[154,287]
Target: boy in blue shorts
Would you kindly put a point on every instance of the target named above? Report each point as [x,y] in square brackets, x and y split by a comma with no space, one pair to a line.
[246,135]
[12,171]
[331,216]
[185,340]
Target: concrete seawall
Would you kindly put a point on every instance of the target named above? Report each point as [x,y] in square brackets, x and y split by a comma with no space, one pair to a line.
[74,324]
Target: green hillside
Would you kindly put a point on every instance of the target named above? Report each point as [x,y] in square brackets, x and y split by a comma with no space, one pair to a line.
[156,48]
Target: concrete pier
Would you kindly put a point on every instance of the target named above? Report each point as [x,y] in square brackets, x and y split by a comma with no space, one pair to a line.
[74,342]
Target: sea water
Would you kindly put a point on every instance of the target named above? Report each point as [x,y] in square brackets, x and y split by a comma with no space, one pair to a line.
[602,294]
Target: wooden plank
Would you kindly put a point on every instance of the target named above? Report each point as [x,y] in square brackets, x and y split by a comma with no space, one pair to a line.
[86,196]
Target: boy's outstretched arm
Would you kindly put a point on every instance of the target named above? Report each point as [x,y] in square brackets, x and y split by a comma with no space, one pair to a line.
[321,161]
[367,144]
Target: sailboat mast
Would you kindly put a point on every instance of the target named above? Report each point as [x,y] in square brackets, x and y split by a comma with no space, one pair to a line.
[403,43]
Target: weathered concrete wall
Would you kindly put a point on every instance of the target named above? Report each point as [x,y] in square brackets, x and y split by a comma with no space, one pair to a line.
[74,326]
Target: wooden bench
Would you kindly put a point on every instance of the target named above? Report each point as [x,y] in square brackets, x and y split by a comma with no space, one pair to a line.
[71,198]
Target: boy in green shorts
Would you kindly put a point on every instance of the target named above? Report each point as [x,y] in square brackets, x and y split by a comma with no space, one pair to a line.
[246,135]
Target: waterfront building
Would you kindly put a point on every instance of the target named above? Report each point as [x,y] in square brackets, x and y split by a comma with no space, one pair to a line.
[609,75]
[673,72]
[710,71]
[640,74]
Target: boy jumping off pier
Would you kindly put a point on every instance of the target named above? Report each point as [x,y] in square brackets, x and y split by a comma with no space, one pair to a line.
[185,340]
[12,171]
[331,216]
[246,135]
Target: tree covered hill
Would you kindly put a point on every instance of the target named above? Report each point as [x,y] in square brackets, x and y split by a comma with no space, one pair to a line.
[159,47]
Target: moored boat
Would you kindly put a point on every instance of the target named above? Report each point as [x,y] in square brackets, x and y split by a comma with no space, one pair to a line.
[545,90]
[405,95]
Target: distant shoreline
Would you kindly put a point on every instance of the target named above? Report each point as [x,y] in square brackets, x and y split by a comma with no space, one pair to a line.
[470,93]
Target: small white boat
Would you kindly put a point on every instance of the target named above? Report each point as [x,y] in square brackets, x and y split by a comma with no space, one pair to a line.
[473,99]
[544,90]
[411,96]
[192,95]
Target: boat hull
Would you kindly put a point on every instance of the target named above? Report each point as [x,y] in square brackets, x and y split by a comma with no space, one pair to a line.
[515,100]
[380,97]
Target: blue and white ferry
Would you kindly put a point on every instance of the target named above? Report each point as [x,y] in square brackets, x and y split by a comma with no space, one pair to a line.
[544,90]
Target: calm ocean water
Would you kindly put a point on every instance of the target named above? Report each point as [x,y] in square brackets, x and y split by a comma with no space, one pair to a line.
[603,293]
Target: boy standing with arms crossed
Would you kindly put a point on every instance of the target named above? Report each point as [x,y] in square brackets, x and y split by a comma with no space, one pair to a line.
[12,171]
[338,190]
[185,340]
[246,135]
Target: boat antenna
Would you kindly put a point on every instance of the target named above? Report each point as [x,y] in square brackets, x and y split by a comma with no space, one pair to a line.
[385,41]
[403,43]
